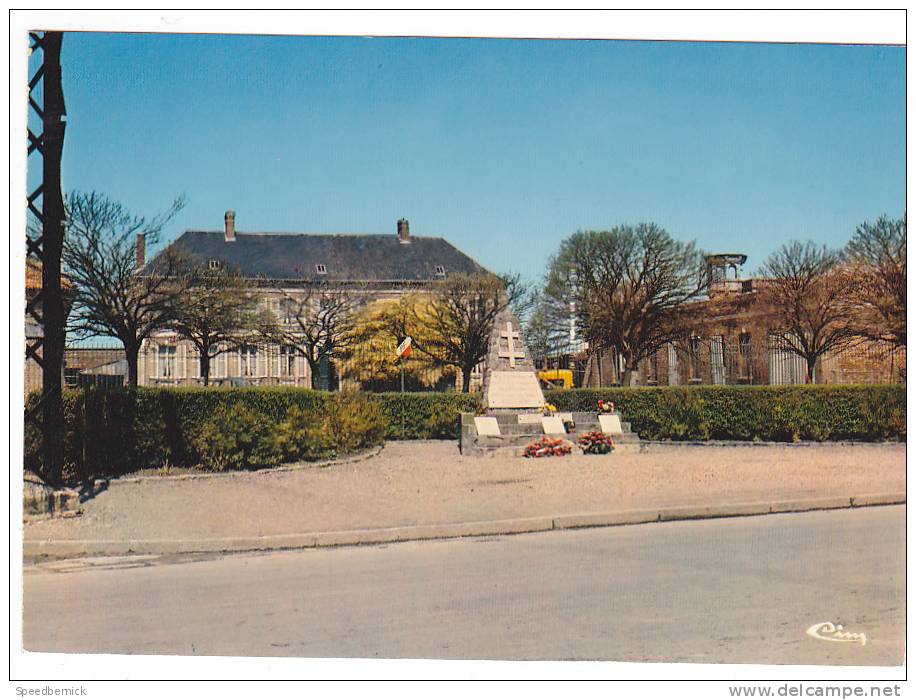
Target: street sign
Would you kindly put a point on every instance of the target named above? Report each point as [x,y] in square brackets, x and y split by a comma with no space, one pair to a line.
[404,349]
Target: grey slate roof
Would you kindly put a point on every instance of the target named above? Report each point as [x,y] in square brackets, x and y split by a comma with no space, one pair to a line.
[350,257]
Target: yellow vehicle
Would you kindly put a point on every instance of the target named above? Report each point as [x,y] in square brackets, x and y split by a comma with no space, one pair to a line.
[556,378]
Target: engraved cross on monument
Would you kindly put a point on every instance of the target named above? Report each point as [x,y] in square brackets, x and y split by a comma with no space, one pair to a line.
[511,353]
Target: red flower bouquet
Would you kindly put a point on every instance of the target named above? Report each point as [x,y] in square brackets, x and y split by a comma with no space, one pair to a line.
[596,443]
[548,447]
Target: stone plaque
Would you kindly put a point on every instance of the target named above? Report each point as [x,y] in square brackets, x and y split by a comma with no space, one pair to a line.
[610,424]
[553,425]
[486,425]
[529,418]
[565,416]
[514,390]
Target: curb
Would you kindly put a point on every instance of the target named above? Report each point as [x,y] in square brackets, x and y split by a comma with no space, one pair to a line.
[773,443]
[61,549]
[294,467]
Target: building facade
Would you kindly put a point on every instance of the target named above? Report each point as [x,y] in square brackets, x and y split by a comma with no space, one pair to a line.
[283,267]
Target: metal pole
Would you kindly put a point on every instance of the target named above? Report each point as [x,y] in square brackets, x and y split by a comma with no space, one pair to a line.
[53,235]
[401,365]
[48,307]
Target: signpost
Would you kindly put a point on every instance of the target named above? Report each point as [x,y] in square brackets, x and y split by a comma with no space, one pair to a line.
[404,350]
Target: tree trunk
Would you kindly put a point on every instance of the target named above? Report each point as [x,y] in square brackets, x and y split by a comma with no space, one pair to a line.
[811,362]
[205,367]
[132,352]
[314,372]
[629,368]
[466,380]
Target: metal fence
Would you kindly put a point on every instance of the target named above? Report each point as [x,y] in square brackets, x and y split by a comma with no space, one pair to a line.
[719,361]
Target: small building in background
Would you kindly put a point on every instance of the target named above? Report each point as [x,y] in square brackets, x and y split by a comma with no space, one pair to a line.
[100,364]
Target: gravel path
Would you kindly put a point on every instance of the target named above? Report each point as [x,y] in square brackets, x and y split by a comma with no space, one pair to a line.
[411,483]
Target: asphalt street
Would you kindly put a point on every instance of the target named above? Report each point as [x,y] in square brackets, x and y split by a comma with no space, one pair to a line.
[737,590]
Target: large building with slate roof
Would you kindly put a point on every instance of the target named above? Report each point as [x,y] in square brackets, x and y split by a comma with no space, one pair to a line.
[378,265]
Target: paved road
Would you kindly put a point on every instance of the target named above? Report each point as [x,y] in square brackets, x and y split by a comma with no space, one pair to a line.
[736,590]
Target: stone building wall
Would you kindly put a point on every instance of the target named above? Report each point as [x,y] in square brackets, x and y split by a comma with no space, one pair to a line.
[733,344]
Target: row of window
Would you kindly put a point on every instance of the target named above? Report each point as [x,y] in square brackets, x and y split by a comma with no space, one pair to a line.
[744,342]
[248,358]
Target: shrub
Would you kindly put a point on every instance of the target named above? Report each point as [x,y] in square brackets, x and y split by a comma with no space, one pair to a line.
[356,422]
[237,437]
[300,436]
[345,424]
[769,413]
[683,418]
[426,415]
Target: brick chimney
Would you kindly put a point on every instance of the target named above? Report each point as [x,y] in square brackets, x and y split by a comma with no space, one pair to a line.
[141,250]
[230,226]
[403,230]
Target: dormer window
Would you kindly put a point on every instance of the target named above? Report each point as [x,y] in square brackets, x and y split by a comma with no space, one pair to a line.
[213,264]
[440,271]
[321,269]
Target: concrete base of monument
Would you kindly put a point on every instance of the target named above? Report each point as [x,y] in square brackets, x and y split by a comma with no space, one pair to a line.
[510,432]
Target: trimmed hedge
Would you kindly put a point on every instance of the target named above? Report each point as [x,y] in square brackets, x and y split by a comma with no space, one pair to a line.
[111,431]
[765,413]
[123,431]
[426,415]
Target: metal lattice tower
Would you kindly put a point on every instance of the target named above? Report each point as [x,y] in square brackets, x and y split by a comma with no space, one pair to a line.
[46,204]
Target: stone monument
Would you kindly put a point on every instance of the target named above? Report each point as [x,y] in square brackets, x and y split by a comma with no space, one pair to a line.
[510,382]
[514,402]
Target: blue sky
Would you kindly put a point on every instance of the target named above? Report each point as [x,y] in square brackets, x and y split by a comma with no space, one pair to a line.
[504,147]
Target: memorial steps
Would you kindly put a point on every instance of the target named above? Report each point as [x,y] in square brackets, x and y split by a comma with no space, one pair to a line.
[518,430]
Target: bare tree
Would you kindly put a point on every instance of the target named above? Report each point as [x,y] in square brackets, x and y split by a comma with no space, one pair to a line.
[876,256]
[219,313]
[546,328]
[807,293]
[521,294]
[458,319]
[626,288]
[320,322]
[111,296]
